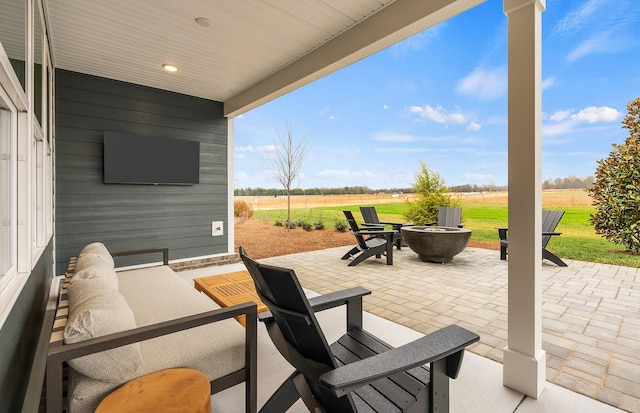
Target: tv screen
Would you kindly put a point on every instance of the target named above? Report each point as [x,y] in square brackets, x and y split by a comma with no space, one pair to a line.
[138,159]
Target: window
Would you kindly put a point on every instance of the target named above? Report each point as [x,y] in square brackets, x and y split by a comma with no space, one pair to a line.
[38,52]
[26,146]
[39,195]
[8,195]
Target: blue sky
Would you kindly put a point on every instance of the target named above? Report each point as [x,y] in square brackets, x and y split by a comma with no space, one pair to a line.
[440,97]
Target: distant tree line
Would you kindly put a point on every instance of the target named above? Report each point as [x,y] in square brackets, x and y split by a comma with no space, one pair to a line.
[570,182]
[477,188]
[347,190]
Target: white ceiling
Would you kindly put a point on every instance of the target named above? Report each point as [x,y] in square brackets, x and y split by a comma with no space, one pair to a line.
[253,51]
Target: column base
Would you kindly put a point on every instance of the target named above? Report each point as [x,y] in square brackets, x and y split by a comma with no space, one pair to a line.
[524,373]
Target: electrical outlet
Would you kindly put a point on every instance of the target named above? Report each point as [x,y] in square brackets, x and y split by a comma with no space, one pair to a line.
[217,229]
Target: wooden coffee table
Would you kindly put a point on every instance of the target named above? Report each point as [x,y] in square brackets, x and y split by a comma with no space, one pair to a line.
[230,289]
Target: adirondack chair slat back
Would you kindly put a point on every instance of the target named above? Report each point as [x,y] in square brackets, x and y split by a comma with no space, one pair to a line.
[304,344]
[449,216]
[355,229]
[369,214]
[550,220]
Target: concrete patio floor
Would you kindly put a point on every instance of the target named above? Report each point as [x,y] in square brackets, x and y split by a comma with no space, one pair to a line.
[591,324]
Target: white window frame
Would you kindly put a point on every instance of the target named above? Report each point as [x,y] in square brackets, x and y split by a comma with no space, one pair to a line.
[38,193]
[9,280]
[31,194]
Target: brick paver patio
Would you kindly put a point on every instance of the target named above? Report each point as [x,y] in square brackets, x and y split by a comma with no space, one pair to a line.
[591,312]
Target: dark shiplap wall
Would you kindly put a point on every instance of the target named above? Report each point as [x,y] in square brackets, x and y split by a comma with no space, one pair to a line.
[20,332]
[127,217]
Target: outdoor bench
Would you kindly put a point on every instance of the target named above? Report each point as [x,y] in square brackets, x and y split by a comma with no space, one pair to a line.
[147,319]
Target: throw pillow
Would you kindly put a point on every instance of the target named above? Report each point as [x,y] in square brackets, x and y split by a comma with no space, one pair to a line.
[96,310]
[97,270]
[99,249]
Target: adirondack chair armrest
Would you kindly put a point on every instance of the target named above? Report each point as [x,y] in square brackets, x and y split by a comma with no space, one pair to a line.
[447,343]
[351,297]
[397,224]
[552,233]
[338,298]
[374,231]
[373,227]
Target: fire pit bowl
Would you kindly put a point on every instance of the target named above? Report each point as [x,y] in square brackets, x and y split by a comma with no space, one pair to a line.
[436,244]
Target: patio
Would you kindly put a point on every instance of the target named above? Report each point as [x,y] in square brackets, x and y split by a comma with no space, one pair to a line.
[590,324]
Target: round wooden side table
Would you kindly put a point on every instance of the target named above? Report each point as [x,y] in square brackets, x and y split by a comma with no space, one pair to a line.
[166,391]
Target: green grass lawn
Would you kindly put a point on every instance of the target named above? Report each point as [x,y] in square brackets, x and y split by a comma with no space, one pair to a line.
[578,240]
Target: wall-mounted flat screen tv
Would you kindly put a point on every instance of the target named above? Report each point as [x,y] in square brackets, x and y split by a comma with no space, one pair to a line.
[138,159]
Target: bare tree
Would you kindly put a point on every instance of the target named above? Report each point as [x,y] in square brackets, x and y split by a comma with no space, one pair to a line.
[287,161]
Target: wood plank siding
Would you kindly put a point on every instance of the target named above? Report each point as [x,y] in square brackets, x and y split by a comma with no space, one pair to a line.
[19,360]
[126,217]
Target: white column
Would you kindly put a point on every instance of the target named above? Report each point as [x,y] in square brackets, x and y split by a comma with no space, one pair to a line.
[524,359]
[231,232]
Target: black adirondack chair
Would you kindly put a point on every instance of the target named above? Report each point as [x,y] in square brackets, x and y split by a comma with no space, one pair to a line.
[550,220]
[379,242]
[359,372]
[450,217]
[371,221]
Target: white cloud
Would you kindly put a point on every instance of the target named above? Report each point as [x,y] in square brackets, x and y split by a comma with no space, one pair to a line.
[600,26]
[435,114]
[596,44]
[484,84]
[560,115]
[438,115]
[385,107]
[576,18]
[474,126]
[563,122]
[251,149]
[548,82]
[594,114]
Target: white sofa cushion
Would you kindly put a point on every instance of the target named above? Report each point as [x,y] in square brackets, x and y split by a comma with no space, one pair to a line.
[99,249]
[93,267]
[158,294]
[95,310]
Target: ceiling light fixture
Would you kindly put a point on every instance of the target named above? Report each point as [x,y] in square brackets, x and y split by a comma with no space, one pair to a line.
[203,21]
[169,68]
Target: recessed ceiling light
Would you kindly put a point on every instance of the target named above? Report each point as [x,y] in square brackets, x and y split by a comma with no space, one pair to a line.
[169,68]
[203,21]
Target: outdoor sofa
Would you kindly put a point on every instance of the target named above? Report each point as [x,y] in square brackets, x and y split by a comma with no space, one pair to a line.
[149,319]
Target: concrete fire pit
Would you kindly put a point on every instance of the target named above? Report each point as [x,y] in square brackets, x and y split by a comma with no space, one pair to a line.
[436,244]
